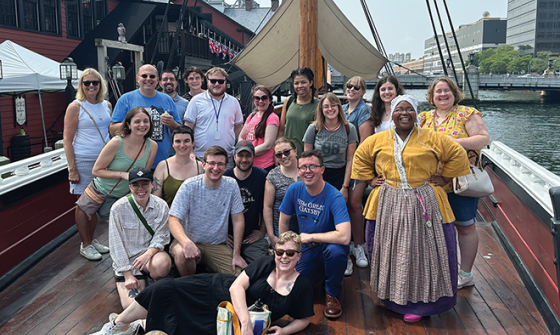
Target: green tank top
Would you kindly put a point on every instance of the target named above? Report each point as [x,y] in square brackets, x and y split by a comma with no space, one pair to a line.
[171,185]
[298,118]
[121,162]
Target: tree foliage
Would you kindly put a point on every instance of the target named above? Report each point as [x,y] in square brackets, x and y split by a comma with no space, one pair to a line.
[506,59]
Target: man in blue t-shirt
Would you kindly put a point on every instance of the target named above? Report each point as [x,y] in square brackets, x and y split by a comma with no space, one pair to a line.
[159,105]
[251,182]
[324,227]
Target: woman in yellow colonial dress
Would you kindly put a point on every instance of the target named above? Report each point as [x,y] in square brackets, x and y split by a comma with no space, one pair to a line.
[413,254]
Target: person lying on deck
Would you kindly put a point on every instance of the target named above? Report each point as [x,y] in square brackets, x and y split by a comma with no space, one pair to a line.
[188,304]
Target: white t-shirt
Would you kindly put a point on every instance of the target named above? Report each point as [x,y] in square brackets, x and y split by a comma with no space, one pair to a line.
[203,112]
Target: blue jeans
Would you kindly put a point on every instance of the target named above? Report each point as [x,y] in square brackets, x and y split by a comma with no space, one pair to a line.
[324,262]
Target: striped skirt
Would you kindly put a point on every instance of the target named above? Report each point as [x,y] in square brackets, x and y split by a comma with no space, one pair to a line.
[410,262]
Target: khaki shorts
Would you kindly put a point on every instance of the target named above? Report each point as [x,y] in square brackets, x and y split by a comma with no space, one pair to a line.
[217,257]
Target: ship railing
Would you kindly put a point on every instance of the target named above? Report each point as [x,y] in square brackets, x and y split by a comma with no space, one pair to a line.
[533,178]
[26,171]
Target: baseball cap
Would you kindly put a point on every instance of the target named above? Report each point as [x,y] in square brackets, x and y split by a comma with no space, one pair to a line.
[140,173]
[244,145]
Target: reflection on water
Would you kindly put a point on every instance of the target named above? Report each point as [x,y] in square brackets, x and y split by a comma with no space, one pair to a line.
[519,120]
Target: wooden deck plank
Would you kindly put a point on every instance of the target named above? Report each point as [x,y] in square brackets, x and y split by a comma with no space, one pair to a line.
[507,285]
[48,300]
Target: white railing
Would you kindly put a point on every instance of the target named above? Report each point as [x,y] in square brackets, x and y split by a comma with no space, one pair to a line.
[31,169]
[532,177]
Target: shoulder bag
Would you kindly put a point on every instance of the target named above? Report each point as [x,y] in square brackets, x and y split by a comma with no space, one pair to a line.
[227,322]
[95,123]
[92,198]
[477,184]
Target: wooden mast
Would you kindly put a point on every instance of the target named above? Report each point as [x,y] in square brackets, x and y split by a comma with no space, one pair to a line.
[309,54]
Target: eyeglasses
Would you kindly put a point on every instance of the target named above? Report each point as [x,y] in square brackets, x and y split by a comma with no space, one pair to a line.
[219,81]
[350,86]
[286,153]
[311,167]
[167,79]
[408,110]
[262,98]
[152,76]
[329,106]
[94,82]
[140,185]
[289,252]
[219,164]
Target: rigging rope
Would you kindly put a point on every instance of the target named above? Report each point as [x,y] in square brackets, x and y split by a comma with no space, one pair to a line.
[460,55]
[436,37]
[445,40]
[177,31]
[388,68]
[163,21]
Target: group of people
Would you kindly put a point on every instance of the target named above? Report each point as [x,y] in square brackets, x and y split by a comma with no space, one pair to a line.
[210,190]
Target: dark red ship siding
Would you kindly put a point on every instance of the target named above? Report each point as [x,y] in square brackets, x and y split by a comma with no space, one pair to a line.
[530,237]
[31,223]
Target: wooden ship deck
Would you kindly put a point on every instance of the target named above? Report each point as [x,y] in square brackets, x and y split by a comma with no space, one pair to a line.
[66,294]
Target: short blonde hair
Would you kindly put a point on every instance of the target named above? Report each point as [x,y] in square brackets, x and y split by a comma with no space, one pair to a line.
[81,94]
[290,236]
[216,70]
[359,81]
[452,86]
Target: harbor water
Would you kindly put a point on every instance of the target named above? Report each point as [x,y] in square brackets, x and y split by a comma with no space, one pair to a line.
[518,119]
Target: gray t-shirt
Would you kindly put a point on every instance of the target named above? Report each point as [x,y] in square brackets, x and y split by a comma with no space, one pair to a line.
[332,144]
[203,211]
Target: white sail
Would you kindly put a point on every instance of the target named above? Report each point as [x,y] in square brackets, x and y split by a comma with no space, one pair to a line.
[271,56]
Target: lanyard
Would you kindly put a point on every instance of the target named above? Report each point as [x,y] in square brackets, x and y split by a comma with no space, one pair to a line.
[217,113]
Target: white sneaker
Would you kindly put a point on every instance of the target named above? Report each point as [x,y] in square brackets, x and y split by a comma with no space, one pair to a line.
[90,253]
[349,267]
[134,325]
[117,329]
[360,254]
[100,247]
[464,280]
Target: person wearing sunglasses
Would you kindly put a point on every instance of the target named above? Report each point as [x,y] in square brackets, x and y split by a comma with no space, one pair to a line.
[261,128]
[358,114]
[200,215]
[416,273]
[324,227]
[188,304]
[86,131]
[137,252]
[160,106]
[251,181]
[215,116]
[277,182]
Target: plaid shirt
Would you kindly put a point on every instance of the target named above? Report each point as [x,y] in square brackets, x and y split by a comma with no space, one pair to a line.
[129,239]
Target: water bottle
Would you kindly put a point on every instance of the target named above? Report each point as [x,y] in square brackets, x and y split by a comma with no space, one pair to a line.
[257,306]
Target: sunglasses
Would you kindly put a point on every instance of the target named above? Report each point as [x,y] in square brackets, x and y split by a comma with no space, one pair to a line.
[152,76]
[219,81]
[94,82]
[350,86]
[262,98]
[283,153]
[289,253]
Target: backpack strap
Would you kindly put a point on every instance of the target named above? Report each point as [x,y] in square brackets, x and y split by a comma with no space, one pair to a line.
[290,100]
[140,216]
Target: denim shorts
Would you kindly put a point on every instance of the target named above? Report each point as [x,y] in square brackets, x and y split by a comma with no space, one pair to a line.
[464,208]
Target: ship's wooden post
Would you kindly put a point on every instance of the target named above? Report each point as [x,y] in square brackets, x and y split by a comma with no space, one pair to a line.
[309,37]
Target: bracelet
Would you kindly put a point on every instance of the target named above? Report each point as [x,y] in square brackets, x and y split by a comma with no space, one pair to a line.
[344,186]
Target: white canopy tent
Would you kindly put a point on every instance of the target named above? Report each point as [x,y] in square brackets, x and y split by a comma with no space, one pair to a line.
[25,71]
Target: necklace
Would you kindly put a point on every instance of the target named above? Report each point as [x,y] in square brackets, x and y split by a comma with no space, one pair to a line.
[331,130]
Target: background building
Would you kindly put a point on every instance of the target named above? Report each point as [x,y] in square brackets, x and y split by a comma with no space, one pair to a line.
[534,23]
[483,34]
[400,58]
[416,65]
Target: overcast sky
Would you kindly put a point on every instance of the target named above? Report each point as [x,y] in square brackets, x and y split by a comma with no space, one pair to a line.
[404,25]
